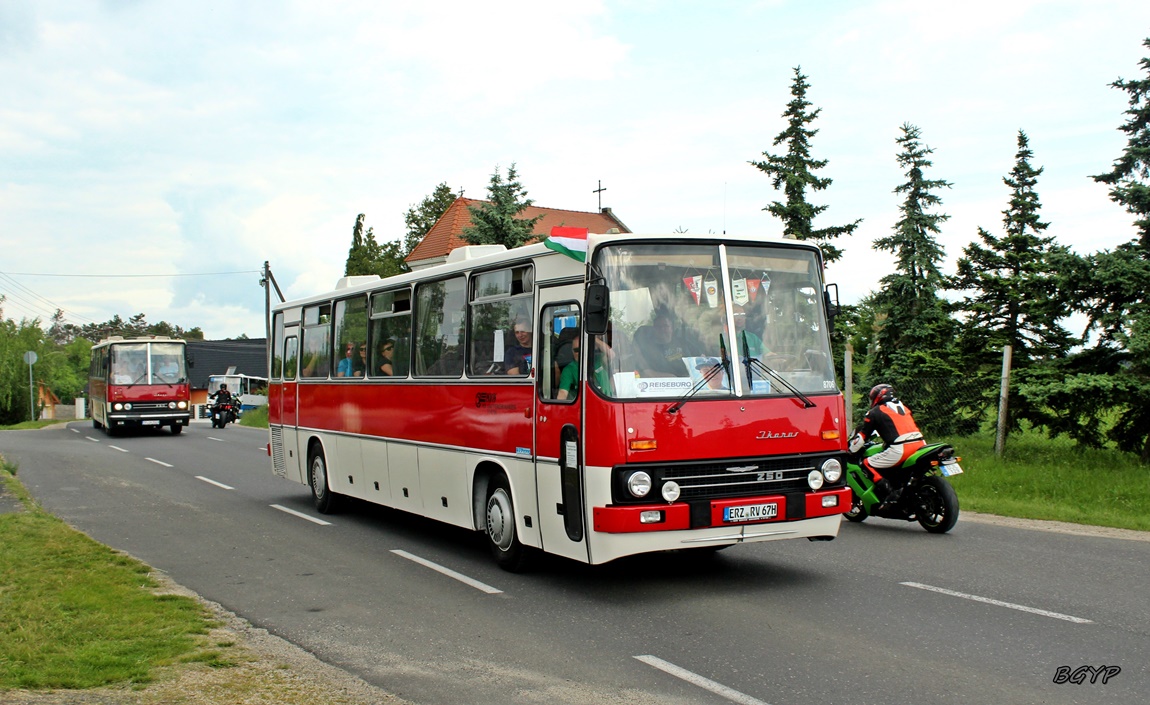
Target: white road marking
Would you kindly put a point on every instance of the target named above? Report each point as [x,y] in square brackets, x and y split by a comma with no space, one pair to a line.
[122,450]
[213,438]
[448,572]
[704,683]
[213,482]
[94,440]
[1000,603]
[158,462]
[72,430]
[301,515]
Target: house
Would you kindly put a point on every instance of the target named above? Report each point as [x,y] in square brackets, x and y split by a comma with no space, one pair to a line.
[446,234]
[214,357]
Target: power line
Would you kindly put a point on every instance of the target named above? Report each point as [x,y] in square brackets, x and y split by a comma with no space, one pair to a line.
[130,276]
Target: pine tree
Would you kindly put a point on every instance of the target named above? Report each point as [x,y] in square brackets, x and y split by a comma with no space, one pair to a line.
[495,222]
[793,172]
[912,340]
[1015,299]
[1112,379]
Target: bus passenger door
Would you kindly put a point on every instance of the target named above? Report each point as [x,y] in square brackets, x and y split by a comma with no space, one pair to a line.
[289,408]
[558,423]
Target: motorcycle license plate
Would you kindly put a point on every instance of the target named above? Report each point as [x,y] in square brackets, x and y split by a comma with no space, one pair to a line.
[751,512]
[151,423]
[951,469]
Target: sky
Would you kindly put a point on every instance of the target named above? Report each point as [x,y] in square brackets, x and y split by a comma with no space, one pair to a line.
[155,153]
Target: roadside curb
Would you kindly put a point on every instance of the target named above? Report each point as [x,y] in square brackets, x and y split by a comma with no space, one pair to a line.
[1058,527]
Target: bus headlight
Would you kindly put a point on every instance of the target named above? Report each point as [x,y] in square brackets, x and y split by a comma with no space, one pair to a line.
[127,407]
[815,479]
[181,404]
[117,407]
[639,484]
[171,405]
[832,470]
[670,491]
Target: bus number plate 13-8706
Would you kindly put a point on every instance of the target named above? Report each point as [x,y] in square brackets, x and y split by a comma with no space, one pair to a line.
[751,512]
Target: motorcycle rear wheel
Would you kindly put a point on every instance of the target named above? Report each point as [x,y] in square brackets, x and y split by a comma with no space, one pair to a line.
[857,513]
[936,505]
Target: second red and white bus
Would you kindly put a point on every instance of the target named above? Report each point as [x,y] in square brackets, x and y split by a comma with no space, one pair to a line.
[414,392]
[139,383]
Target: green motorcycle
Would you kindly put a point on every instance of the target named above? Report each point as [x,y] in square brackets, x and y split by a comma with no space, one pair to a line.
[925,496]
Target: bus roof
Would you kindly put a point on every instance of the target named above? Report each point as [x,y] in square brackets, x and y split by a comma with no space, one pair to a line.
[489,256]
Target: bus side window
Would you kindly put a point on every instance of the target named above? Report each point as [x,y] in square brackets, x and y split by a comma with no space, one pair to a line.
[316,341]
[559,348]
[439,328]
[390,350]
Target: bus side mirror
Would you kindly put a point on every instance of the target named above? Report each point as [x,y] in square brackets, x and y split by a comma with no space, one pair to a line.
[191,360]
[596,309]
[832,304]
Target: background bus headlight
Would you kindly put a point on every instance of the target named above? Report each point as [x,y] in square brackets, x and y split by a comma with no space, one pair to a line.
[639,484]
[127,407]
[117,407]
[182,404]
[832,470]
[670,491]
[815,479]
[171,405]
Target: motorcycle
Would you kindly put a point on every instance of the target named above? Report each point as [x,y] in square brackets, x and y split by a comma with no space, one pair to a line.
[926,496]
[225,411]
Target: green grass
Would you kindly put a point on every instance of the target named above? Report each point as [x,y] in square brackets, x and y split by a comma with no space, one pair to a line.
[1040,479]
[26,425]
[256,418]
[75,614]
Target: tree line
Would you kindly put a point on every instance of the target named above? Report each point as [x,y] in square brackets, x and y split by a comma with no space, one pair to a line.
[1014,285]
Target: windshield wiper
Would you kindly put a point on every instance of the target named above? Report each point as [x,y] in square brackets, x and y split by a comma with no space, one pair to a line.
[754,363]
[724,364]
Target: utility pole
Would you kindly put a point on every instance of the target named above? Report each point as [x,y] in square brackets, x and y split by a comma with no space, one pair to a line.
[30,357]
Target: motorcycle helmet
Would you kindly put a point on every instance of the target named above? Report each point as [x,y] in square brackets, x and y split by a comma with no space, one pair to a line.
[881,394]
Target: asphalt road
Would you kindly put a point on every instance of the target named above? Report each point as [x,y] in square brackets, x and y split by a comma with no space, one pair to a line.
[887,613]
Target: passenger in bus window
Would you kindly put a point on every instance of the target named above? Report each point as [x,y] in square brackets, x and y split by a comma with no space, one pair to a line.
[569,378]
[346,366]
[662,346]
[517,359]
[359,367]
[386,351]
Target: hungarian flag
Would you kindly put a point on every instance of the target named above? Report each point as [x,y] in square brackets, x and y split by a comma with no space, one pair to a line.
[568,241]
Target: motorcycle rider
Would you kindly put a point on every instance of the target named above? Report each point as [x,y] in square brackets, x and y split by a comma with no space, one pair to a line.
[222,396]
[893,422]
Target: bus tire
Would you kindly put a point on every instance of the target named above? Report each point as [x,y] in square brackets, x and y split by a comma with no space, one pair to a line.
[325,500]
[177,429]
[509,553]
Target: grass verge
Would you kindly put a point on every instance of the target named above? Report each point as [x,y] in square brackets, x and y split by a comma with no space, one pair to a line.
[256,418]
[75,614]
[1037,479]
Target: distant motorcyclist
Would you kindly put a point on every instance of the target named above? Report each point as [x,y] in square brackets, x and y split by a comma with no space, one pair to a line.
[222,395]
[893,422]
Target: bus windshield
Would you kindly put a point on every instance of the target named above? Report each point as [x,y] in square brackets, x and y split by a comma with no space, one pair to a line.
[148,363]
[711,320]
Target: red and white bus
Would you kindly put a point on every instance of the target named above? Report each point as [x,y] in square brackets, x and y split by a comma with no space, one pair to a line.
[139,383]
[414,392]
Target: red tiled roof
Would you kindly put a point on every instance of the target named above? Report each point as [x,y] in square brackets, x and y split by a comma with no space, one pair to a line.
[444,236]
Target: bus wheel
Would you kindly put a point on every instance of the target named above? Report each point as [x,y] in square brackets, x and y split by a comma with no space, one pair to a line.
[321,494]
[509,553]
[177,429]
